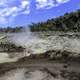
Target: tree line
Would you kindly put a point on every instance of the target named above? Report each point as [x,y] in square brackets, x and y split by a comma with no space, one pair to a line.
[67,22]
[11,30]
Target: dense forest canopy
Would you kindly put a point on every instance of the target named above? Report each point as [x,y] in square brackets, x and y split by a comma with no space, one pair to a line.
[67,22]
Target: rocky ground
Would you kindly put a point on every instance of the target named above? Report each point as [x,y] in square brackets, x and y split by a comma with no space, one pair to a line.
[57,69]
[57,58]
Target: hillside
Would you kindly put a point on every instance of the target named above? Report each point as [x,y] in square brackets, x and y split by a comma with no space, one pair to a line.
[67,22]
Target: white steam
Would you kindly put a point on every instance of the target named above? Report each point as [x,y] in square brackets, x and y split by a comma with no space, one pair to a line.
[28,40]
[36,45]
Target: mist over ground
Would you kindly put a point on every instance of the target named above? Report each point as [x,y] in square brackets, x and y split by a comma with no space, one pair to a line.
[37,43]
[41,42]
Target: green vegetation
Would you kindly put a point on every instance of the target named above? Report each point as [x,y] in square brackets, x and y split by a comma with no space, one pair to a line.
[11,30]
[68,22]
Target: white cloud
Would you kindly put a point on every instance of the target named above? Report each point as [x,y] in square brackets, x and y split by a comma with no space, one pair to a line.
[24,3]
[25,6]
[62,1]
[49,3]
[8,8]
[44,3]
[7,12]
[3,20]
[26,12]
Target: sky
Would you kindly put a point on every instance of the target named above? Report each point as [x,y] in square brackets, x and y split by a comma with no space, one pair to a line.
[24,12]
